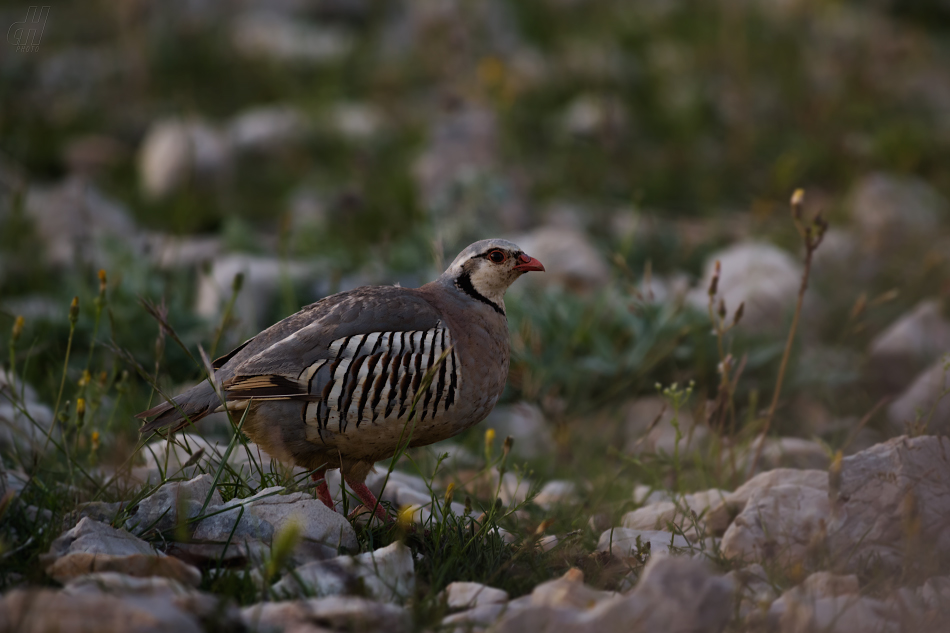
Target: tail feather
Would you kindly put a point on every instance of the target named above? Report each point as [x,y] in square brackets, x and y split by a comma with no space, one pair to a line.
[183,410]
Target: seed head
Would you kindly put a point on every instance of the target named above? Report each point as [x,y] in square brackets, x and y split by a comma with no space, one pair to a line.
[74,311]
[714,282]
[18,328]
[738,316]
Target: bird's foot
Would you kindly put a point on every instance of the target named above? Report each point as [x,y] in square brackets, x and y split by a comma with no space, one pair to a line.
[369,500]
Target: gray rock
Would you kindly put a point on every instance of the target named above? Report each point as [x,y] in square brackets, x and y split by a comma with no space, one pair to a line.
[595,115]
[46,610]
[469,595]
[787,523]
[568,592]
[262,278]
[182,251]
[514,489]
[12,481]
[722,513]
[923,406]
[648,495]
[24,421]
[755,591]
[908,345]
[322,531]
[763,276]
[935,594]
[476,619]
[177,151]
[684,595]
[525,423]
[679,511]
[555,493]
[75,222]
[622,542]
[92,546]
[828,585]
[892,211]
[231,532]
[101,511]
[93,537]
[174,503]
[890,500]
[267,34]
[355,121]
[346,613]
[116,583]
[267,129]
[799,611]
[547,543]
[388,575]
[674,594]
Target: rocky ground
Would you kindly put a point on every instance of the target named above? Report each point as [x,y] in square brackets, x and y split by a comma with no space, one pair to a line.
[800,543]
[175,176]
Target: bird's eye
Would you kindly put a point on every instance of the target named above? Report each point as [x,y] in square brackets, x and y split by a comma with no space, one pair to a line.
[497,256]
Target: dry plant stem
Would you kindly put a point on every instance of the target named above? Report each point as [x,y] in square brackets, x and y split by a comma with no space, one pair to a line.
[812,236]
[725,396]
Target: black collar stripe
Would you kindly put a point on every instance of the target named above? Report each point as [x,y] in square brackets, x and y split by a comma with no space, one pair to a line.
[464,283]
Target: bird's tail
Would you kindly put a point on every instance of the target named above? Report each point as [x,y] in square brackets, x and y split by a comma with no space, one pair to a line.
[183,410]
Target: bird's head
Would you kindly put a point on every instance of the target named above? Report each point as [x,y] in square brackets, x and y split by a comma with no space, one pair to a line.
[485,269]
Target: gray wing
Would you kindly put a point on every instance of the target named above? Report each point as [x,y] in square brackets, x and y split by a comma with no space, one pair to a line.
[355,355]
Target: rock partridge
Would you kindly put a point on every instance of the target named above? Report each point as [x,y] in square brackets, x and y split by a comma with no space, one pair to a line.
[332,386]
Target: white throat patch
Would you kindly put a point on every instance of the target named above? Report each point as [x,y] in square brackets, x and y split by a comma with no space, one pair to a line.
[487,282]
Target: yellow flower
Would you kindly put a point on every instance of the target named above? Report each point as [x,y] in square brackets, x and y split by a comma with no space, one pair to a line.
[489,441]
[404,517]
[18,328]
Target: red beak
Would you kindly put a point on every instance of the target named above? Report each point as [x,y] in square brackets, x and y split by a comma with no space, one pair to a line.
[528,264]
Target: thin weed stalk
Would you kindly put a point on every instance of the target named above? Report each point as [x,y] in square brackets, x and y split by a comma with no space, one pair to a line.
[812,235]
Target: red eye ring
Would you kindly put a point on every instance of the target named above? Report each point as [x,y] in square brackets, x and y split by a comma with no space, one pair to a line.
[497,256]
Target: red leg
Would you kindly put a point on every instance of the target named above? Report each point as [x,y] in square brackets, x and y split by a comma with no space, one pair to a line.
[369,499]
[323,493]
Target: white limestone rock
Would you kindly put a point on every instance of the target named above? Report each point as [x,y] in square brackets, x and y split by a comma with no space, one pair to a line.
[623,542]
[469,595]
[883,489]
[922,405]
[787,523]
[387,575]
[908,345]
[348,613]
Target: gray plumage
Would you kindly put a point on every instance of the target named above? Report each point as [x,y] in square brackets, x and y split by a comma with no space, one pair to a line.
[332,385]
